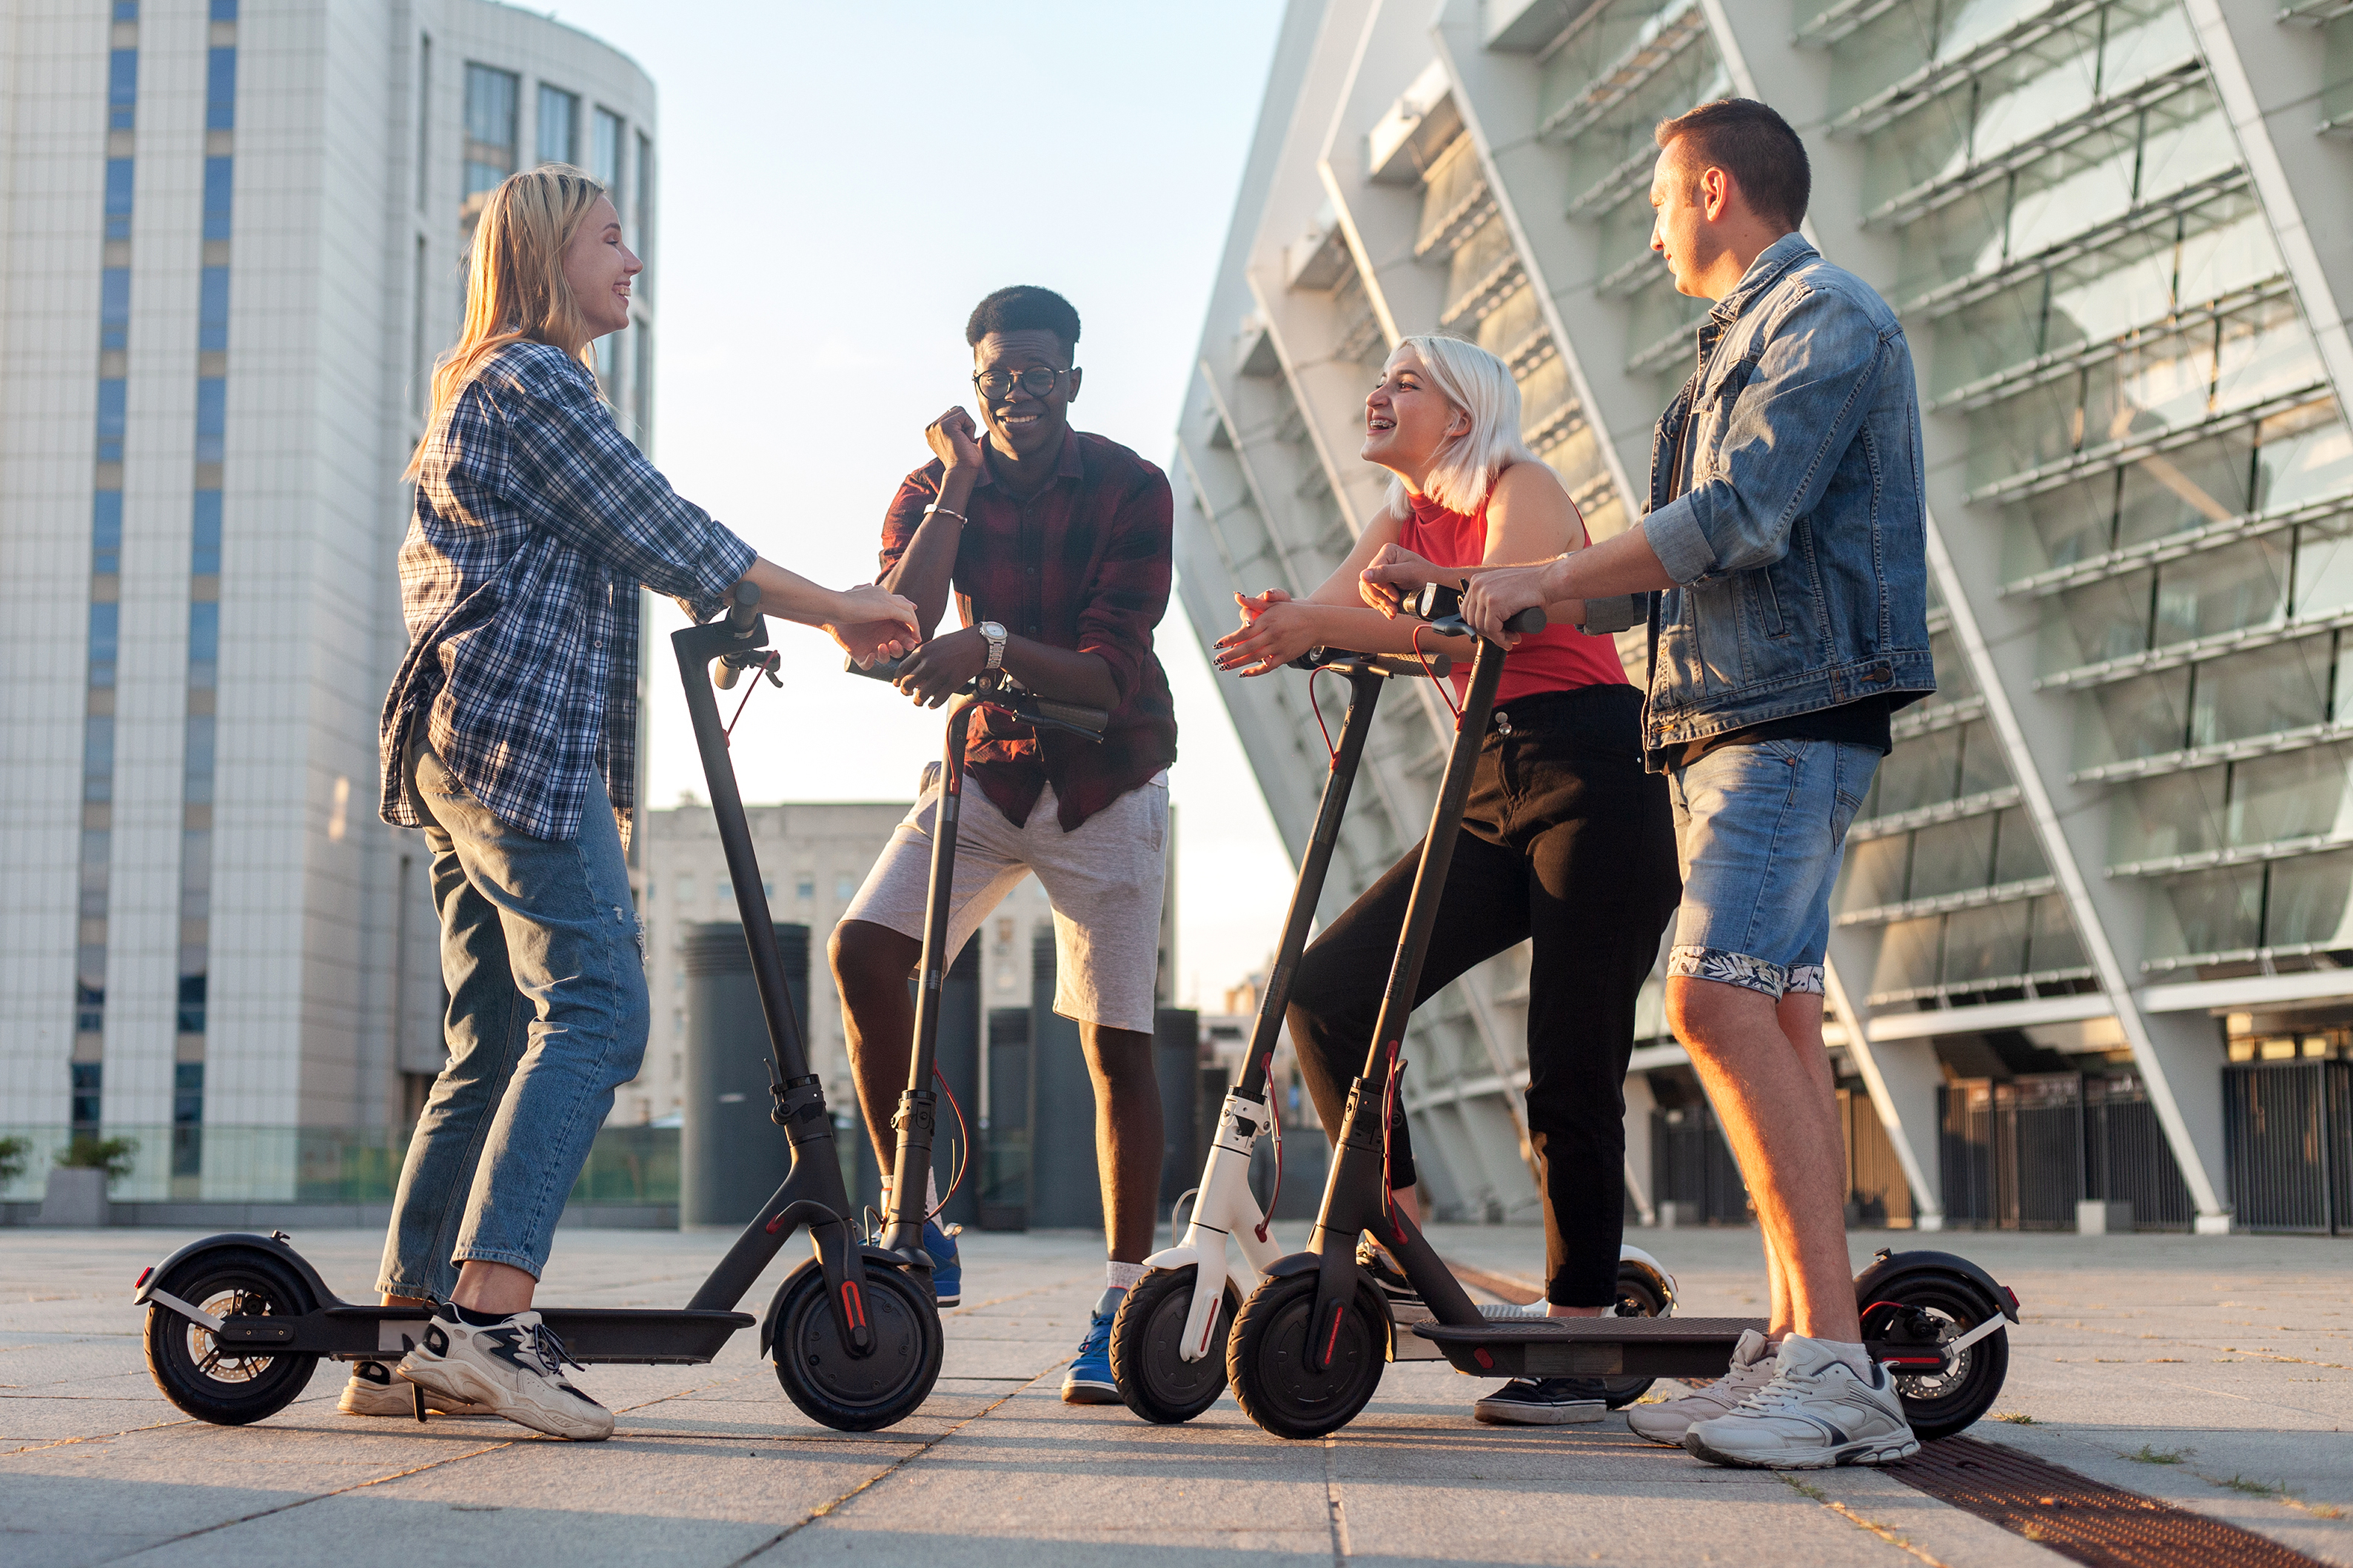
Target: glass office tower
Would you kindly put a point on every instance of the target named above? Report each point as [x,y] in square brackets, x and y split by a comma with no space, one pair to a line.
[2111,857]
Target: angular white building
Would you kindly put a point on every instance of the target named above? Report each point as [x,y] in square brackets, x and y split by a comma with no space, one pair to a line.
[2113,854]
[231,237]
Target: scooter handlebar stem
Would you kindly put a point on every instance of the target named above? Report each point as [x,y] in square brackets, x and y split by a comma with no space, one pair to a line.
[1045,712]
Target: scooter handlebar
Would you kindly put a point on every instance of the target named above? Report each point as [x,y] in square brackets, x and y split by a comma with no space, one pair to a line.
[1045,712]
[1436,602]
[1391,665]
[743,616]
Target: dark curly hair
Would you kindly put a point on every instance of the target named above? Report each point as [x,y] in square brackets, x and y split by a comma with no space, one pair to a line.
[1021,308]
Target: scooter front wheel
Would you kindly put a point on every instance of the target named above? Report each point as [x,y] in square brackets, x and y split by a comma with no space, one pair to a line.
[834,1385]
[1147,1348]
[226,1385]
[1269,1357]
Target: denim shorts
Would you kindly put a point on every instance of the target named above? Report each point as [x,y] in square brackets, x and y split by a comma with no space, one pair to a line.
[1759,829]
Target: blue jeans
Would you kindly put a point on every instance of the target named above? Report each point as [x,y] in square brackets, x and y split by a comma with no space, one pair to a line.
[1760,829]
[544,960]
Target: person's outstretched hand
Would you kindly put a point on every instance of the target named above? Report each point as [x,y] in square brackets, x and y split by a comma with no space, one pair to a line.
[1392,576]
[872,623]
[1273,632]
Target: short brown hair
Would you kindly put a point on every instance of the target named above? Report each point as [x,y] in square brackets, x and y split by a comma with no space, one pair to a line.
[1755,145]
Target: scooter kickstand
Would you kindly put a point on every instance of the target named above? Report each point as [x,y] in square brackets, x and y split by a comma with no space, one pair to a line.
[417,1401]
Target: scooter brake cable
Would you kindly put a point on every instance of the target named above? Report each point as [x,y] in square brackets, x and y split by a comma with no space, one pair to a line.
[964,1146]
[1330,751]
[1452,706]
[767,667]
[1275,1116]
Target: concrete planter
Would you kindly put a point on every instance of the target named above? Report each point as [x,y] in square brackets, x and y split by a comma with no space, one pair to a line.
[76,1197]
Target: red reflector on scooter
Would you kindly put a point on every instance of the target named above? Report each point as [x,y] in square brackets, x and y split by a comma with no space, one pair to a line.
[2013,1297]
[141,1283]
[1482,1358]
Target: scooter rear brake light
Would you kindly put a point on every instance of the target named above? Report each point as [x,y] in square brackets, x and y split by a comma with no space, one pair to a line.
[2013,1297]
[141,1283]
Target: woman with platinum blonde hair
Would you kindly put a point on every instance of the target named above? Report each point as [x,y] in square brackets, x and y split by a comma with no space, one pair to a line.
[1566,839]
[510,738]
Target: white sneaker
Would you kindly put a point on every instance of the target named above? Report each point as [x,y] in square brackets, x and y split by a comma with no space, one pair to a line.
[513,1368]
[373,1391]
[1667,1421]
[1816,1413]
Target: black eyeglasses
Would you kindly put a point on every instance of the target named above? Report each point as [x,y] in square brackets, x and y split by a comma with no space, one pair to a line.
[1037,380]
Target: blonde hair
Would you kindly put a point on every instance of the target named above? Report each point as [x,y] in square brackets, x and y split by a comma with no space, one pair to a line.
[1480,385]
[515,287]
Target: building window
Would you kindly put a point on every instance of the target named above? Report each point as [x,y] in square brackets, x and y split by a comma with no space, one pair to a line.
[490,96]
[644,197]
[804,884]
[88,1081]
[559,125]
[604,154]
[424,113]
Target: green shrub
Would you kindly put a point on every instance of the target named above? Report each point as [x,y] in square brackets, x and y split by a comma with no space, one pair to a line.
[89,1151]
[13,1153]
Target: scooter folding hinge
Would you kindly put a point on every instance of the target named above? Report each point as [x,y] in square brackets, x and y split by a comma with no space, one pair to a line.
[196,1315]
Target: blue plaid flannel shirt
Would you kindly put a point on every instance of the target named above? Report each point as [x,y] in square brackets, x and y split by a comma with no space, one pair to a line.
[537,520]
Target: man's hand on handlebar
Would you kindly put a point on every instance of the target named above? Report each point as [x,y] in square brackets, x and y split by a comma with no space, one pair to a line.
[871,623]
[940,668]
[1275,631]
[1392,576]
[1495,596]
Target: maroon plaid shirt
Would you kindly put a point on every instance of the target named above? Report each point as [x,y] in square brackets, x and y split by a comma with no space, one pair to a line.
[1083,564]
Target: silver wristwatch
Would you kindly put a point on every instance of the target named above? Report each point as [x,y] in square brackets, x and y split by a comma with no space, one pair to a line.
[996,635]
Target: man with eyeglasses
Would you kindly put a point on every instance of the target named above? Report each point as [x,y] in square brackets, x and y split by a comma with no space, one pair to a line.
[1055,545]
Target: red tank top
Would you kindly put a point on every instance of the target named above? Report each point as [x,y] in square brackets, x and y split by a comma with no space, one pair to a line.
[1557,659]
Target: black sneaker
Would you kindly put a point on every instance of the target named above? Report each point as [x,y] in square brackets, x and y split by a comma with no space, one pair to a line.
[1543,1402]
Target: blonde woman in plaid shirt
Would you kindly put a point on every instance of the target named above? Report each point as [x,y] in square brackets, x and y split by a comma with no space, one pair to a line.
[509,738]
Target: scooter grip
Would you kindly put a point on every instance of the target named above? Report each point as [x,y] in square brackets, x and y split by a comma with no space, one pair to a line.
[743,608]
[881,670]
[1531,619]
[1441,665]
[1093,721]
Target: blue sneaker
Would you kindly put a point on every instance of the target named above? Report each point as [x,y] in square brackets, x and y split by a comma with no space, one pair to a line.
[948,1269]
[1089,1381]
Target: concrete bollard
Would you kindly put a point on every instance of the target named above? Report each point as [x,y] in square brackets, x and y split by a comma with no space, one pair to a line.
[76,1197]
[2095,1217]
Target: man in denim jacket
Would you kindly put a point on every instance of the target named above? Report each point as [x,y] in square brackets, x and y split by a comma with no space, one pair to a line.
[1786,541]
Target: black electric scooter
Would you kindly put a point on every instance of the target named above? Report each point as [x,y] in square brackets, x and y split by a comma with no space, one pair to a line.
[1168,1341]
[1307,1348]
[918,1107]
[237,1323]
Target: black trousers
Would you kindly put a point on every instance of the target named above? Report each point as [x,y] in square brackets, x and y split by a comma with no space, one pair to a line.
[1566,840]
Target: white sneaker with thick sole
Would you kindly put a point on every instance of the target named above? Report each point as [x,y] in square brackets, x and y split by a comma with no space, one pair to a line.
[513,1368]
[1816,1413]
[1667,1421]
[373,1391]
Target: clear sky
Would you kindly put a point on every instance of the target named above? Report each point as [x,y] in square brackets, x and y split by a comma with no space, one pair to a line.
[840,185]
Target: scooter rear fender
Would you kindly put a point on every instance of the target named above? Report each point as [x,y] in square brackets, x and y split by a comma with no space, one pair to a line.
[1889,1268]
[319,1295]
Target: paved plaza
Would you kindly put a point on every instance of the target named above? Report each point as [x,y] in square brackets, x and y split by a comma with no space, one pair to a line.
[2209,1373]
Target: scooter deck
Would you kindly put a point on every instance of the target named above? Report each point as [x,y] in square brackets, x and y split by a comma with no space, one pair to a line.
[1620,1347]
[1591,1347]
[649,1336]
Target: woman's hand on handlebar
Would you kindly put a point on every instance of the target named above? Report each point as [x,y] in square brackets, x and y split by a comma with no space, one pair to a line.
[871,623]
[943,667]
[1495,596]
[1391,577]
[1274,631]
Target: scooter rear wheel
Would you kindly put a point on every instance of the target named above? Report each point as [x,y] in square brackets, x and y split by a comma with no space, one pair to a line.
[229,1387]
[1147,1359]
[848,1392]
[1636,1298]
[1930,1309]
[1269,1358]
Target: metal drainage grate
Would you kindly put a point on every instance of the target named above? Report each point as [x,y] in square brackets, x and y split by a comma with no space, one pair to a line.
[2079,1517]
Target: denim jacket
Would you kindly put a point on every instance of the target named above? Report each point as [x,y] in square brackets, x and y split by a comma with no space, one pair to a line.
[1799,547]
